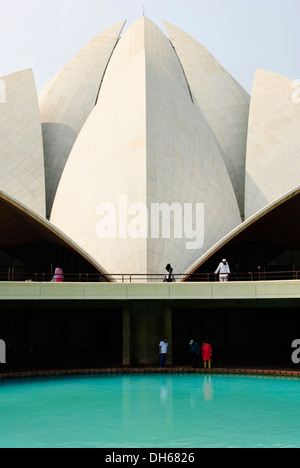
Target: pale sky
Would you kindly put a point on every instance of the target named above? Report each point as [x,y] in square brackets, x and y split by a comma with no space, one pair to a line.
[242,34]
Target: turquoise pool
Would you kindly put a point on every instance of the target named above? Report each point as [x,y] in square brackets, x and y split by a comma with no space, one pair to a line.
[176,411]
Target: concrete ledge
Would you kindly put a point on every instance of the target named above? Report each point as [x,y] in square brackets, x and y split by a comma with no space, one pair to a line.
[150,291]
[149,370]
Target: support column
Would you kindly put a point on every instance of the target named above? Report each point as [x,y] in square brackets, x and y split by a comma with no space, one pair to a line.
[144,325]
[169,333]
[126,337]
[236,330]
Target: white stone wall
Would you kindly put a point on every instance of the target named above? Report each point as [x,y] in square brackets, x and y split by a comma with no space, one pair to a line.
[273,153]
[223,101]
[183,158]
[108,159]
[68,100]
[148,141]
[147,120]
[21,148]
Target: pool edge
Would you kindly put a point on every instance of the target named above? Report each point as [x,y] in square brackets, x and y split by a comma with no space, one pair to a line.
[145,371]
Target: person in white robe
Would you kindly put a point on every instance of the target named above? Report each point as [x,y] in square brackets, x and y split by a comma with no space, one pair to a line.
[223,270]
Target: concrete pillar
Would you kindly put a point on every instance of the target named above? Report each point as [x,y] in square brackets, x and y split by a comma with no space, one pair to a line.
[126,337]
[169,333]
[145,324]
[236,330]
[2,352]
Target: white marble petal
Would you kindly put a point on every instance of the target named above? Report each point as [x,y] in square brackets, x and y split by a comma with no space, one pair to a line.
[223,101]
[22,173]
[147,142]
[273,152]
[68,100]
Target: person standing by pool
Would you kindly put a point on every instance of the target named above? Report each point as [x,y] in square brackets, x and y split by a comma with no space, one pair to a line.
[206,354]
[163,351]
[223,270]
[195,351]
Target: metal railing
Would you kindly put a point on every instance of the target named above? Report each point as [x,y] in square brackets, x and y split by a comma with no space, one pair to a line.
[16,276]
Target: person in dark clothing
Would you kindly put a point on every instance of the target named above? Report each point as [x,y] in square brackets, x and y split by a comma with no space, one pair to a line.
[169,277]
[195,352]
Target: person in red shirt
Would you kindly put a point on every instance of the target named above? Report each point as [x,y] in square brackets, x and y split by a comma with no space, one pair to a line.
[206,354]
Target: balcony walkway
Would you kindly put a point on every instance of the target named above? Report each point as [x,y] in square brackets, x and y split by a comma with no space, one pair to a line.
[14,291]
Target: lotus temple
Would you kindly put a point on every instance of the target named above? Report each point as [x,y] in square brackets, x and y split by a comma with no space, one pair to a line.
[139,119]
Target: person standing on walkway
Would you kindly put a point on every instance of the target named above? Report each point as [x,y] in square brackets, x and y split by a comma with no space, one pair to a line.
[195,351]
[58,276]
[169,277]
[163,351]
[223,270]
[206,354]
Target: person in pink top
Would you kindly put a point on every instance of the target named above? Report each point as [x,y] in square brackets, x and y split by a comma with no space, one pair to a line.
[58,276]
[206,354]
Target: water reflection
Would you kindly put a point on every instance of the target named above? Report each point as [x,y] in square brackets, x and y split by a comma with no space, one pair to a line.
[201,390]
[189,411]
[207,389]
[163,391]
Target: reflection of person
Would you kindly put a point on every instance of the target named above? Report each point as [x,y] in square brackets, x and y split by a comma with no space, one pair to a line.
[208,391]
[163,391]
[58,276]
[163,351]
[206,354]
[195,351]
[223,270]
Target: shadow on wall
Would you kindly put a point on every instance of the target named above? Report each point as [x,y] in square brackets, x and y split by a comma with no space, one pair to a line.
[259,198]
[53,135]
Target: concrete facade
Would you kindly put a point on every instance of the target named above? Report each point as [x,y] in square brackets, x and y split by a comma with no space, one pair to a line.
[150,292]
[141,315]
